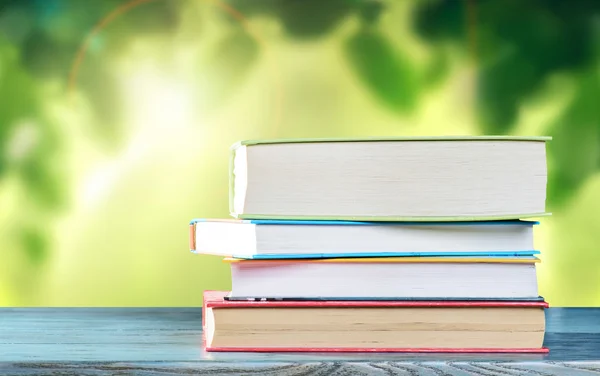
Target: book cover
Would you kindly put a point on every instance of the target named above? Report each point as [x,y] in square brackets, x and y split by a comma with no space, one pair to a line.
[388,139]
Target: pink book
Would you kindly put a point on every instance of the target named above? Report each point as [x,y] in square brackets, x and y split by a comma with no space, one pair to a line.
[532,323]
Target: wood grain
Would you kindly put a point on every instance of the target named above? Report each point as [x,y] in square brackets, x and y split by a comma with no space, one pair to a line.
[157,341]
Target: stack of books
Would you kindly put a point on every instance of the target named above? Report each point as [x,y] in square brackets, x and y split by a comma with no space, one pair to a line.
[404,244]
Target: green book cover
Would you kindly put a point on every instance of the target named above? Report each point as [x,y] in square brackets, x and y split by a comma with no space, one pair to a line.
[388,139]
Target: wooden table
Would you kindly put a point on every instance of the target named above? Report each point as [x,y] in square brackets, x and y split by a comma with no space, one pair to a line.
[157,341]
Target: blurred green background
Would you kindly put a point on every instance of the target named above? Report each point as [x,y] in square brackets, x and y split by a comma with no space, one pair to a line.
[116,118]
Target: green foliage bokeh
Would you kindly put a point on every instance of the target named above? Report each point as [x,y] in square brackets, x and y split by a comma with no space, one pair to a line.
[99,176]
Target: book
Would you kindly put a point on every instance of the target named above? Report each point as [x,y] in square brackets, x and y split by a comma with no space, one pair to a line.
[372,326]
[457,278]
[462,178]
[266,239]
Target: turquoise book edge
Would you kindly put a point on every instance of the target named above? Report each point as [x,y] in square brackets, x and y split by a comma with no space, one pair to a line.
[294,256]
[271,221]
[384,254]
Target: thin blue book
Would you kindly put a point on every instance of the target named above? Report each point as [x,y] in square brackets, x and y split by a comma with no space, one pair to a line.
[297,239]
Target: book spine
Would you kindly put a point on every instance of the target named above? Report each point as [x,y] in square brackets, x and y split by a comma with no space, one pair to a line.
[192,236]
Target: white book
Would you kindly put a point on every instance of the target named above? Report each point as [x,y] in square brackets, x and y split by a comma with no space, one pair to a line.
[385,278]
[310,239]
[443,178]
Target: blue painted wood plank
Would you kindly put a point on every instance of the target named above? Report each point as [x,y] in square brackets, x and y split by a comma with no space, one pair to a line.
[169,341]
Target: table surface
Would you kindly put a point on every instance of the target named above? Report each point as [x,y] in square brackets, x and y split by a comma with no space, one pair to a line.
[157,341]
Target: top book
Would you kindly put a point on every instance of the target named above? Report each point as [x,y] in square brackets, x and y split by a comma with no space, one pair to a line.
[390,179]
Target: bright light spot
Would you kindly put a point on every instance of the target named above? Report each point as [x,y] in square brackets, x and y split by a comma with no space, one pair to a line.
[24,140]
[98,184]
[159,109]
[157,102]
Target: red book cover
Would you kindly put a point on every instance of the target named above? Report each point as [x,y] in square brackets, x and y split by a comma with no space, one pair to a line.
[215,299]
[542,350]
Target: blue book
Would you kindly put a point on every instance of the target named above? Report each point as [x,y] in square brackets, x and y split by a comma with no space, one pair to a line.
[297,239]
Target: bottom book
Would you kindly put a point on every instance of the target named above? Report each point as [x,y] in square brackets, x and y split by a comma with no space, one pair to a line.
[373,326]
